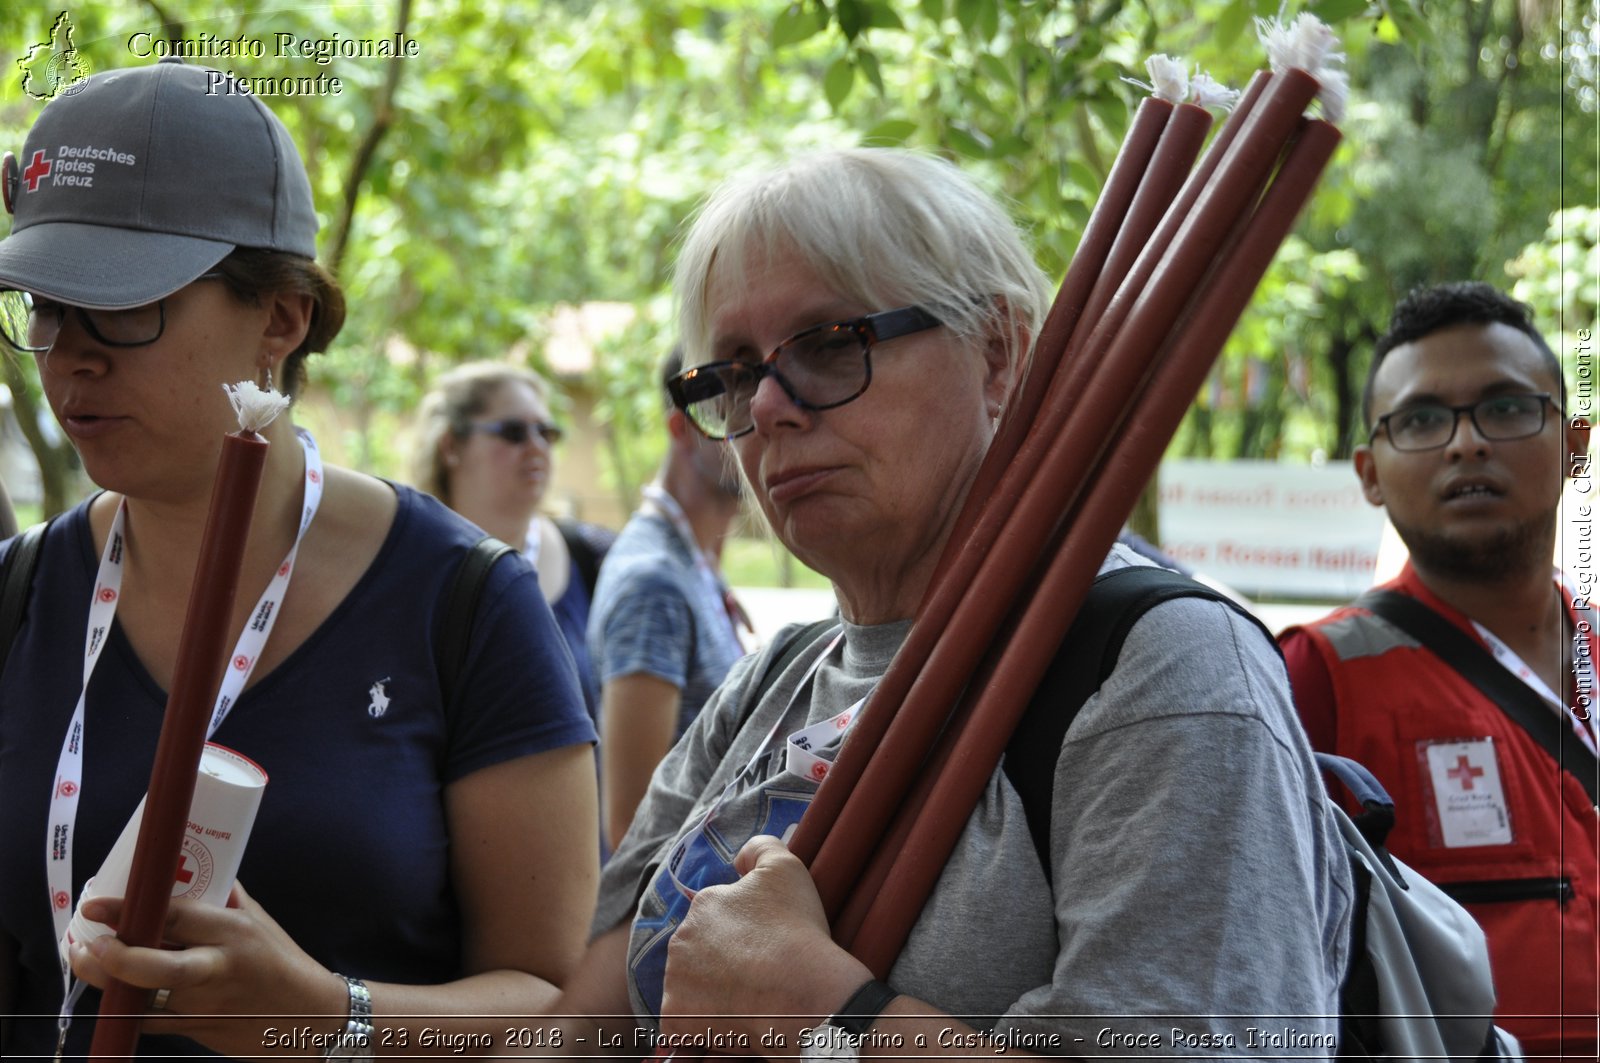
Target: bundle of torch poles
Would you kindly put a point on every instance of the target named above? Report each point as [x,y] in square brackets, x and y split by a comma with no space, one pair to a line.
[1164,269]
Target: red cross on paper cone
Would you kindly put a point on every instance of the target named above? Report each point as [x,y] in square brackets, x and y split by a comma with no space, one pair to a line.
[37,170]
[1464,771]
[184,876]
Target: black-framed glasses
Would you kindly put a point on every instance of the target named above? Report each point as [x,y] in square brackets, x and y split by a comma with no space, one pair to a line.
[517,432]
[820,368]
[1430,425]
[32,324]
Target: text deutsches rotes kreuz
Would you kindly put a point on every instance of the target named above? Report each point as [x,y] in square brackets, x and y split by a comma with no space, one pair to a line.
[71,166]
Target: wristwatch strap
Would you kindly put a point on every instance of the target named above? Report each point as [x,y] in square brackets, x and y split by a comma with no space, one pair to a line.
[355,1041]
[863,1008]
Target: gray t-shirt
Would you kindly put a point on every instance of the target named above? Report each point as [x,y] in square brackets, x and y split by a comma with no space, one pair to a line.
[1201,898]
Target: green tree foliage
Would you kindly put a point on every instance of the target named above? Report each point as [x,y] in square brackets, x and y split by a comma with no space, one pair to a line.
[536,154]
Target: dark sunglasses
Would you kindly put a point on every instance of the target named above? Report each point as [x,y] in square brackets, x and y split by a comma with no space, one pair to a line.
[517,432]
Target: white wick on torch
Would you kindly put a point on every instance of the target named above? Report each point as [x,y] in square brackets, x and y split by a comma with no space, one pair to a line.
[1167,75]
[1207,91]
[256,408]
[1309,44]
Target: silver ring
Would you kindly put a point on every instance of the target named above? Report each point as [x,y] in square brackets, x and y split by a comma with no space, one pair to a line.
[159,1000]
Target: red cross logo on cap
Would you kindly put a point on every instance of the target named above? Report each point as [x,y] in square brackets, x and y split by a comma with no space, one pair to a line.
[37,170]
[1465,772]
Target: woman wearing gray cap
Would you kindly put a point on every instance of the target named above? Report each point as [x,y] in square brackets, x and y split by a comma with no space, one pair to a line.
[406,860]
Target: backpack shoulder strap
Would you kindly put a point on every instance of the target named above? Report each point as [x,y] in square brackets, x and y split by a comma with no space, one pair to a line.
[454,634]
[792,649]
[16,579]
[586,553]
[1088,655]
[1474,664]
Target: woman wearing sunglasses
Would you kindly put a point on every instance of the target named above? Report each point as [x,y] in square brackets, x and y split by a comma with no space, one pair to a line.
[399,861]
[486,450]
[854,323]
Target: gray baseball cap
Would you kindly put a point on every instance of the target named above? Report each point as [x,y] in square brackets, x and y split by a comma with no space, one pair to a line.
[143,179]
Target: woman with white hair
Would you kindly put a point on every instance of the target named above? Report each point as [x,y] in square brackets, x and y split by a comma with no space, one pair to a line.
[854,323]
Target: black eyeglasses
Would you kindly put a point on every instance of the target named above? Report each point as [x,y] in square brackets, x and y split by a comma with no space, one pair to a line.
[1430,425]
[823,367]
[517,432]
[32,324]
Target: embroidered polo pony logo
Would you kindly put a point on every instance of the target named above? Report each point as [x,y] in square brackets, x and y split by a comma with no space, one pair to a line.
[380,698]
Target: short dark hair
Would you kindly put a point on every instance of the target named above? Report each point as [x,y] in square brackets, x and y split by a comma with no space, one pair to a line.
[253,271]
[1426,310]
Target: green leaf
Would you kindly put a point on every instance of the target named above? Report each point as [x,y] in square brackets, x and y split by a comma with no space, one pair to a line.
[1230,24]
[852,16]
[970,142]
[890,131]
[1336,11]
[795,24]
[996,69]
[837,82]
[968,12]
[989,21]
[1113,115]
[933,10]
[1081,176]
[867,60]
[880,15]
[1078,211]
[1413,27]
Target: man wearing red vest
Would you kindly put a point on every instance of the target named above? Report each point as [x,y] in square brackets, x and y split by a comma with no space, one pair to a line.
[1468,450]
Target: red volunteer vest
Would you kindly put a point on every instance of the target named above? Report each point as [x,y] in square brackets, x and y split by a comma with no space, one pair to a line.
[1481,808]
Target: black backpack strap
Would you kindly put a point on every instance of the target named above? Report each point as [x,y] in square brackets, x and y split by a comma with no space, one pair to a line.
[1088,654]
[454,635]
[793,648]
[1478,667]
[16,579]
[587,553]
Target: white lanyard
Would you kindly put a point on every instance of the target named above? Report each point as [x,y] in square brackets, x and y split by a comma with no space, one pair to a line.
[799,744]
[102,608]
[716,587]
[1514,664]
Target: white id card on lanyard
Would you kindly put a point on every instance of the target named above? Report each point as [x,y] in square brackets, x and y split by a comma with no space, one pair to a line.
[68,780]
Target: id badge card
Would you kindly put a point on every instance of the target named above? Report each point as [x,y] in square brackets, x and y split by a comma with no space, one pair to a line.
[1469,798]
